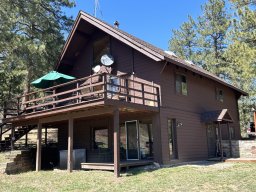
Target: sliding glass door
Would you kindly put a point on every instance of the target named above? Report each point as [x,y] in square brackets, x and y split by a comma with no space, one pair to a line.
[132,140]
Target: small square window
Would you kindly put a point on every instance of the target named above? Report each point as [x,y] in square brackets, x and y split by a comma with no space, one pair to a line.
[100,138]
[219,95]
[181,84]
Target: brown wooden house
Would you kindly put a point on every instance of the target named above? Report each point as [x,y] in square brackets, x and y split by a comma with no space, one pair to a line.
[142,105]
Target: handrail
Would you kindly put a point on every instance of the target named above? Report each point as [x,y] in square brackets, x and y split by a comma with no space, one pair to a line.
[60,85]
[136,91]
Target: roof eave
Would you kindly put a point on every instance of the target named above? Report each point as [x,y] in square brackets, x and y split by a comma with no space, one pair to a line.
[206,75]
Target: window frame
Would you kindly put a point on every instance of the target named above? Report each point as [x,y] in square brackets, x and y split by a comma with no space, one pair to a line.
[172,135]
[94,143]
[180,91]
[219,97]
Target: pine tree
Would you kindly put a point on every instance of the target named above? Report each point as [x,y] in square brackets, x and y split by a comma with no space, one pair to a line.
[213,27]
[183,41]
[32,34]
[241,54]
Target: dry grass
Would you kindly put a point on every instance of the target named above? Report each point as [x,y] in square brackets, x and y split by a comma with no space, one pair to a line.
[219,177]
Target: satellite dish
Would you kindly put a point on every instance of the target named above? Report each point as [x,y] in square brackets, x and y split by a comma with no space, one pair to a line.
[107,60]
[96,69]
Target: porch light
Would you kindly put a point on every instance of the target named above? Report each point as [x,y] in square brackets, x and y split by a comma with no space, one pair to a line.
[179,124]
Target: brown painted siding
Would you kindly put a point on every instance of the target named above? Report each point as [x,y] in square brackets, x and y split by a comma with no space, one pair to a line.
[191,137]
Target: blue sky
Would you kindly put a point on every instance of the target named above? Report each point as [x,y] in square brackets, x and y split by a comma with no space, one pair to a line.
[149,20]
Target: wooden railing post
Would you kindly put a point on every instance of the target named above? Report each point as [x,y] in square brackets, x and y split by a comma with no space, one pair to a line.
[34,102]
[105,85]
[143,94]
[127,90]
[1,133]
[158,96]
[54,98]
[5,110]
[18,106]
[77,92]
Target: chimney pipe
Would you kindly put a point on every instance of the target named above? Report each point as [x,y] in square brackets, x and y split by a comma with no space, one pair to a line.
[116,24]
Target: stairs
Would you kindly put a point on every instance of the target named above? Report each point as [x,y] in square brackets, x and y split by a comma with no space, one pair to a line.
[14,162]
[18,132]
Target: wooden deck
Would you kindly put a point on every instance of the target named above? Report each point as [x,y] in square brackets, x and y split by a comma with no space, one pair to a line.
[110,166]
[95,91]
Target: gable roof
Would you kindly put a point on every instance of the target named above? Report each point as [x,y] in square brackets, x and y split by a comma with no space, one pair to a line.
[216,116]
[145,48]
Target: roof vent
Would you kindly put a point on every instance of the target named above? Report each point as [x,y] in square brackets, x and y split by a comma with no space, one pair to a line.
[116,24]
[171,53]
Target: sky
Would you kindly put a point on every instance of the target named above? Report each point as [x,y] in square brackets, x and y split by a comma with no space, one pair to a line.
[150,20]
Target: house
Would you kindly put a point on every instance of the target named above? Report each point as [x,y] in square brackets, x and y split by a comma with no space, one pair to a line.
[131,103]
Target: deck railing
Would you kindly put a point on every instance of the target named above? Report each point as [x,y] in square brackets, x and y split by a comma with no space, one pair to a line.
[88,90]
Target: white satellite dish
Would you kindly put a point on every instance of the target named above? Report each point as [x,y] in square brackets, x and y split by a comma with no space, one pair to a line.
[107,60]
[96,69]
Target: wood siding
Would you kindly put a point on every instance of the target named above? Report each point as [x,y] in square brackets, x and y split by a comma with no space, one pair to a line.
[191,136]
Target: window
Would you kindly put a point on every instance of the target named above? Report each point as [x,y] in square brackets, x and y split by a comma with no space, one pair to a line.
[181,84]
[100,138]
[171,123]
[232,132]
[219,95]
[101,47]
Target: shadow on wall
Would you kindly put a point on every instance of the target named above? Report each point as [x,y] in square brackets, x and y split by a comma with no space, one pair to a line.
[240,148]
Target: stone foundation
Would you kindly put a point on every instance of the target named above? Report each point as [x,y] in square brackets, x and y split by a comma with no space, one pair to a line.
[17,162]
[240,148]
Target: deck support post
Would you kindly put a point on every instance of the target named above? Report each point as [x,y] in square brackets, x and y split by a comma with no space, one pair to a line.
[45,136]
[230,141]
[116,144]
[70,145]
[12,137]
[26,139]
[220,142]
[38,149]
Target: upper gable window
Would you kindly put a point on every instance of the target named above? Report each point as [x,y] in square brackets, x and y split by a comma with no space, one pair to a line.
[181,84]
[219,95]
[101,47]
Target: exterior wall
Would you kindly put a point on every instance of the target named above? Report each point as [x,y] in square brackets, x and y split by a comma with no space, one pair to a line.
[83,134]
[240,148]
[191,137]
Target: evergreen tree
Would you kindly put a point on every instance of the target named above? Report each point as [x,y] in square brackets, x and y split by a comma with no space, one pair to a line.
[32,34]
[213,27]
[183,41]
[241,54]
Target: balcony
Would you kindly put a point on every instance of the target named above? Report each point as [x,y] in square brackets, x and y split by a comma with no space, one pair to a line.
[96,90]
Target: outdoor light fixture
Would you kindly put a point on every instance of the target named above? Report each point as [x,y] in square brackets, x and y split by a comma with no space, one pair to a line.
[179,124]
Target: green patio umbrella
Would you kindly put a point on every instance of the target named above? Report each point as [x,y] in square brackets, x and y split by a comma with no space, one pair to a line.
[50,79]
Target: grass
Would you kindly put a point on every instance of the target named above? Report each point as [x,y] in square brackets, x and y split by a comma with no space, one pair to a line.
[217,177]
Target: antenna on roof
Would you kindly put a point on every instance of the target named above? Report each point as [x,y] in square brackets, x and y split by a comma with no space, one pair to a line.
[96,8]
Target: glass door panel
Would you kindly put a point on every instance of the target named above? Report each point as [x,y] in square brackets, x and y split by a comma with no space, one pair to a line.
[132,140]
